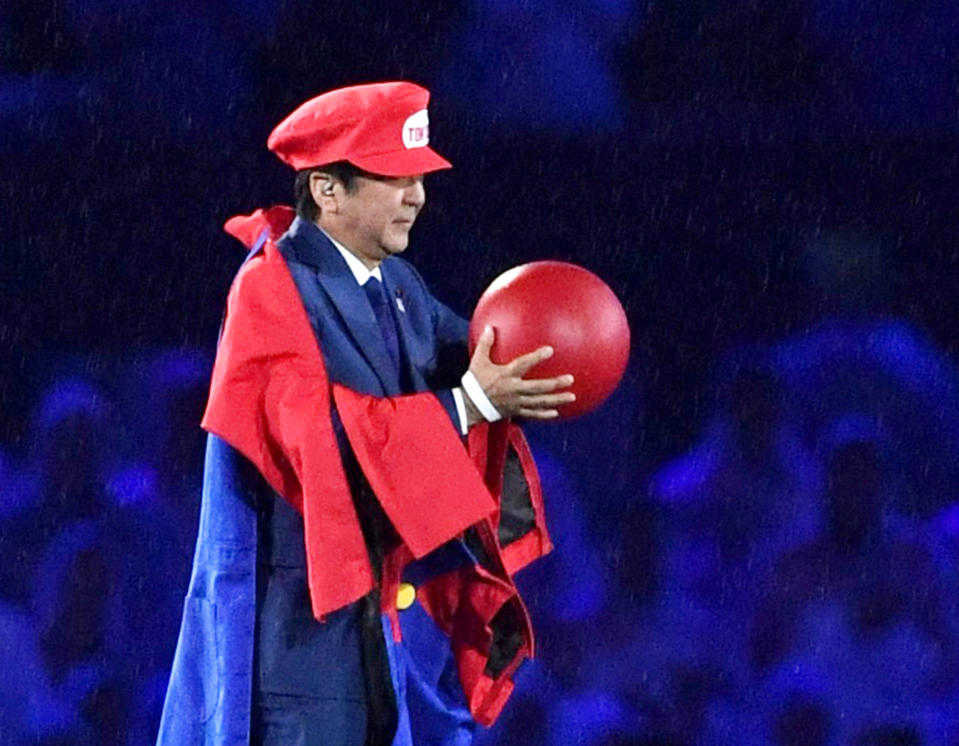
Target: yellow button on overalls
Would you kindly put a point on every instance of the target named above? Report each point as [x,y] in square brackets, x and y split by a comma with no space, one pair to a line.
[405,596]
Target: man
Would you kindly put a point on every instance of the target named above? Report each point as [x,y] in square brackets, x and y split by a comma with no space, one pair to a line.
[352,579]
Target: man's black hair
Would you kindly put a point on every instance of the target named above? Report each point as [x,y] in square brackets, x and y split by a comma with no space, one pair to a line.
[306,206]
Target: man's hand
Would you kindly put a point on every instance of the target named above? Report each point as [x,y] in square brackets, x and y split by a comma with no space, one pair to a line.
[509,392]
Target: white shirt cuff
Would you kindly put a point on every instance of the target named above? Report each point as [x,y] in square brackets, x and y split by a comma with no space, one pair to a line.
[476,394]
[461,411]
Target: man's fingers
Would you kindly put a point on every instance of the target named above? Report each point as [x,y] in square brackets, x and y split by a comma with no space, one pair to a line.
[538,414]
[544,401]
[544,385]
[520,365]
[485,342]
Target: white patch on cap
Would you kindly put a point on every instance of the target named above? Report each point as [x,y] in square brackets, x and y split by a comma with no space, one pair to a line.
[416,130]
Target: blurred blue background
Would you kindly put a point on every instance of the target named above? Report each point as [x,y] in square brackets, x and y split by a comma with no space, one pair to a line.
[757,535]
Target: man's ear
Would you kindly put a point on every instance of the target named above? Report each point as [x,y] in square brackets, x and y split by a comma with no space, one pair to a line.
[324,190]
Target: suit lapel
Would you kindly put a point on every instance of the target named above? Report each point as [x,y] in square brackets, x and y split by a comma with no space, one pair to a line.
[310,246]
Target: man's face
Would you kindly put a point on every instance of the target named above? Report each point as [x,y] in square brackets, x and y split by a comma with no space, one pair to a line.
[374,219]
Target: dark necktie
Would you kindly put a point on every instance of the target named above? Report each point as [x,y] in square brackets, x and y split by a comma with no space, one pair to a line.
[384,317]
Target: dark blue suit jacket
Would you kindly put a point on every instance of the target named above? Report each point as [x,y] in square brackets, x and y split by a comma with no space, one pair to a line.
[432,337]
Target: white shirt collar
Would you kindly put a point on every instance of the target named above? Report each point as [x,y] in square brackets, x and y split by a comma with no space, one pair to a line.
[359,270]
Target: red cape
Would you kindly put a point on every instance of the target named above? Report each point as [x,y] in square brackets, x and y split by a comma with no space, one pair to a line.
[270,399]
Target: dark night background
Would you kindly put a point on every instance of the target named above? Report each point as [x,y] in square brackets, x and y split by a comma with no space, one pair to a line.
[756,535]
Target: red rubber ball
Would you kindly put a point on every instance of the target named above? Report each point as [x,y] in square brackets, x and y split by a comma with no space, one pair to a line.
[567,307]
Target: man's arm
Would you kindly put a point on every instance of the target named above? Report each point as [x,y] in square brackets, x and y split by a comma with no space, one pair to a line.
[495,391]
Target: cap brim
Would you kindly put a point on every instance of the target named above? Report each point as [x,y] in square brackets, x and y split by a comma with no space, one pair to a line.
[402,162]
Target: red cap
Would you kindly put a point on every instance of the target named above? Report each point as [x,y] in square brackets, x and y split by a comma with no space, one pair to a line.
[382,128]
[249,228]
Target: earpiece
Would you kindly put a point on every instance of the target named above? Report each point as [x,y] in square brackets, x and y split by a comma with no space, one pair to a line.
[328,188]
